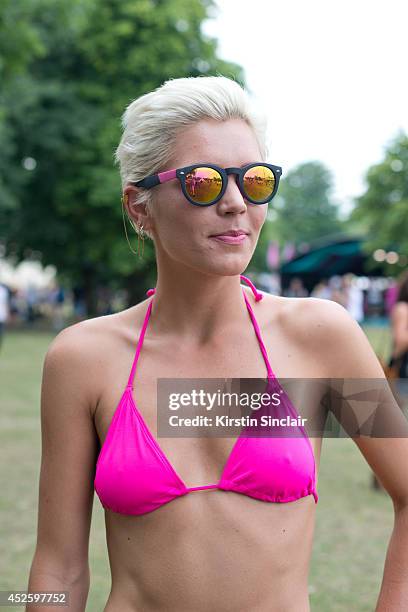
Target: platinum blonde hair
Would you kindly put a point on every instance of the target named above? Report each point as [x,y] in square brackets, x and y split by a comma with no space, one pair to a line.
[151,122]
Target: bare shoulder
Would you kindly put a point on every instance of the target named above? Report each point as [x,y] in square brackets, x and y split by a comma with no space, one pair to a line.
[326,329]
[78,353]
[306,318]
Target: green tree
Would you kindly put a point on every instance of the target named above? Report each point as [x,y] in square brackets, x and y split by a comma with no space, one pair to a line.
[64,114]
[382,211]
[302,211]
[19,43]
[305,210]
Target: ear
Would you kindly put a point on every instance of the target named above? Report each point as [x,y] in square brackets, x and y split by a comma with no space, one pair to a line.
[136,210]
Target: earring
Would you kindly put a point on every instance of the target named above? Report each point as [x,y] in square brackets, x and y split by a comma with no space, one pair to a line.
[124,200]
[141,234]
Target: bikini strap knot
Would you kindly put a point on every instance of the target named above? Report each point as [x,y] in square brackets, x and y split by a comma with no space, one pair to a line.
[257,294]
[150,292]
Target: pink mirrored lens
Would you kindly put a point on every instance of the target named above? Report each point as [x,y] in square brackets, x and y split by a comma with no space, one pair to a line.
[259,183]
[203,185]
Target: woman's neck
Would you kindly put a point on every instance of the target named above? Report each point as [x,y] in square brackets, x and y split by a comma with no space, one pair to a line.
[201,306]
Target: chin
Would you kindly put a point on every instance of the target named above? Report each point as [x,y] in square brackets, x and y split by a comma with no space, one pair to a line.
[231,266]
[214,261]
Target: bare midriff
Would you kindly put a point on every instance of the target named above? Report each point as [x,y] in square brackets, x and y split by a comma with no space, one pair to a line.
[212,550]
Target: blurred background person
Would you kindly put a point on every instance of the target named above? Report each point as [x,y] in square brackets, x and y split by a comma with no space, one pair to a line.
[375,299]
[32,300]
[80,310]
[14,313]
[353,297]
[336,290]
[391,296]
[56,298]
[322,290]
[296,288]
[4,309]
[399,350]
[399,332]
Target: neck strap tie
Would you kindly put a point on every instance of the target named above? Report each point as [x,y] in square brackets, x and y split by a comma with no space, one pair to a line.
[257,294]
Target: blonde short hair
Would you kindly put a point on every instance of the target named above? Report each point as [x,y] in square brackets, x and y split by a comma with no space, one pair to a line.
[151,122]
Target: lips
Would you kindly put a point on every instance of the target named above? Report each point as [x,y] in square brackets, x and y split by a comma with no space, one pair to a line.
[232,237]
[230,233]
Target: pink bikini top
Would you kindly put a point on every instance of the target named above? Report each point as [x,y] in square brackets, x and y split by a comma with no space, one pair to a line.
[133,475]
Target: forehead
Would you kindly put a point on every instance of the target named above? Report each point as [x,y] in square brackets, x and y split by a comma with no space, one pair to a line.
[224,143]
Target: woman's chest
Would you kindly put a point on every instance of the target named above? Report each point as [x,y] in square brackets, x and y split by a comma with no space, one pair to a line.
[198,454]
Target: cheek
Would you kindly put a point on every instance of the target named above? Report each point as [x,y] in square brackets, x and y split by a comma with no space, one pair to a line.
[258,215]
[165,210]
[176,219]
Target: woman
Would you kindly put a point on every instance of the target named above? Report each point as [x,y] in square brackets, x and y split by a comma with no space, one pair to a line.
[195,523]
[399,332]
[4,309]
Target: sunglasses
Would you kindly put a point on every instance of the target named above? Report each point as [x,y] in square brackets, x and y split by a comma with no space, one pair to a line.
[205,184]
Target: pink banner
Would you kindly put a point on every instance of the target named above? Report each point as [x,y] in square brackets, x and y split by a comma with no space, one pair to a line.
[272,255]
[289,251]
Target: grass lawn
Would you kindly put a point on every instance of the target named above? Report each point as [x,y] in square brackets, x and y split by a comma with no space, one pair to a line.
[353,522]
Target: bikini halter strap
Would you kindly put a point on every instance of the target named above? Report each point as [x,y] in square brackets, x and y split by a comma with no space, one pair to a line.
[258,296]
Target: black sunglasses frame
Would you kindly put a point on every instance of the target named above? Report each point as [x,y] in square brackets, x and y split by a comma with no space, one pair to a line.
[180,173]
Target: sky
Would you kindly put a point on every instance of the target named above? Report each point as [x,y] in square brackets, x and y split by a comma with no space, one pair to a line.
[331,76]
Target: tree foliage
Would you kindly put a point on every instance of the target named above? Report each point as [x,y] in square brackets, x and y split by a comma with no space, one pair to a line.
[382,211]
[302,211]
[305,210]
[61,122]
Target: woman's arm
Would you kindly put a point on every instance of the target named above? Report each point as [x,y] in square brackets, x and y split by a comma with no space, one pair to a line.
[69,448]
[399,326]
[348,355]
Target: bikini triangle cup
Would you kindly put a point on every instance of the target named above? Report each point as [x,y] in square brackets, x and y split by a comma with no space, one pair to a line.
[134,476]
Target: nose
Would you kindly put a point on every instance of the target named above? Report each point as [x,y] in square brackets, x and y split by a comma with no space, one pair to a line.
[232,200]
